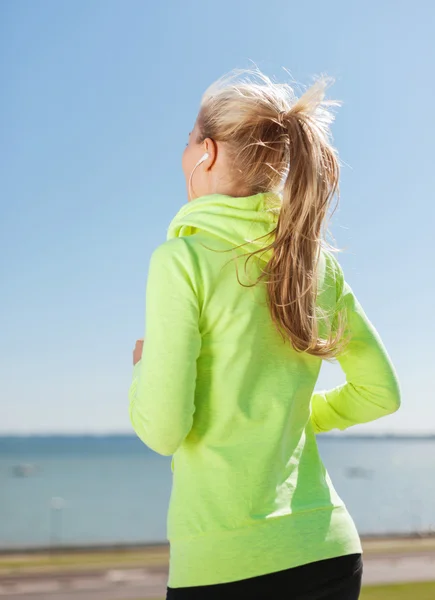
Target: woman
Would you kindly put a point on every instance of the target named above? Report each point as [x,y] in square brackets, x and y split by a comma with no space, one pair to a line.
[243,303]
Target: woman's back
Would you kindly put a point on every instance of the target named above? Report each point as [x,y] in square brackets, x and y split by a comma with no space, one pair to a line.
[247,472]
[252,397]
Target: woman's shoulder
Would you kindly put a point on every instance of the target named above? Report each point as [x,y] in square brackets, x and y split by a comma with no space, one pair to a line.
[170,251]
[194,246]
[177,254]
[330,273]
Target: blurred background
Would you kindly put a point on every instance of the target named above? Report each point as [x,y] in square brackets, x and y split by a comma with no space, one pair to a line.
[97,98]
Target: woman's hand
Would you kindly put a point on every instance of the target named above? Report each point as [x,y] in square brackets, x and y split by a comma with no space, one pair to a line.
[137,352]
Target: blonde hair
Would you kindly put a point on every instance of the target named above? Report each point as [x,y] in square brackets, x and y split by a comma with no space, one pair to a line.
[276,142]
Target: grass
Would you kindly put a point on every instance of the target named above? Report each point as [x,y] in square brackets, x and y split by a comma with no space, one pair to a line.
[81,561]
[158,556]
[410,591]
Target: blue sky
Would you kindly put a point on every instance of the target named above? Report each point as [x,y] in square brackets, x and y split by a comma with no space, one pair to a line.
[97,99]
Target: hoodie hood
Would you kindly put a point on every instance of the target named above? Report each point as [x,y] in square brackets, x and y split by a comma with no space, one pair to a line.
[236,220]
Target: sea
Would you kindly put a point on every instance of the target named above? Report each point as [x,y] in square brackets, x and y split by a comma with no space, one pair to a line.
[97,490]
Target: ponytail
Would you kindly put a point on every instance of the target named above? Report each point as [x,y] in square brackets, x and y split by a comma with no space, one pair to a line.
[311,183]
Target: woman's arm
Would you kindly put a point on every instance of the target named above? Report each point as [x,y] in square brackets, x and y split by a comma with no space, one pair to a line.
[163,388]
[371,390]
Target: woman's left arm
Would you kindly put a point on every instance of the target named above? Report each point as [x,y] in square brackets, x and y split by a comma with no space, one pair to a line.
[162,393]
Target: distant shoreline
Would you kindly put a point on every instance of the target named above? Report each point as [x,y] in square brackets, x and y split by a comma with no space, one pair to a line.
[109,548]
[130,437]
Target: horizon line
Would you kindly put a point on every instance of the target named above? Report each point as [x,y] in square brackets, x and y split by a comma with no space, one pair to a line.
[99,434]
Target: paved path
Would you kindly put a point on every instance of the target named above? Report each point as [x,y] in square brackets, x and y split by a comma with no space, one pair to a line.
[123,584]
[129,584]
[399,569]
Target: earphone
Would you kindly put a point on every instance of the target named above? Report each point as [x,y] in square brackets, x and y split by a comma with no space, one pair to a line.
[201,160]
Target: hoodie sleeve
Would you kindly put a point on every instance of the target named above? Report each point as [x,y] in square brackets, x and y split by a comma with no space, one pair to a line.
[371,390]
[163,388]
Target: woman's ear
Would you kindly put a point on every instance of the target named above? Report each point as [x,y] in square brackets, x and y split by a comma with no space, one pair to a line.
[212,150]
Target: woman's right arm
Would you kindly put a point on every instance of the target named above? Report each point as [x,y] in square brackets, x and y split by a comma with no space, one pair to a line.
[372,389]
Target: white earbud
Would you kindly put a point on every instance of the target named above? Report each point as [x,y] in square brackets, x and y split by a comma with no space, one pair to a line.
[202,159]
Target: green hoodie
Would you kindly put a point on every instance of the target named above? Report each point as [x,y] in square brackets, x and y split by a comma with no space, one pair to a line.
[219,389]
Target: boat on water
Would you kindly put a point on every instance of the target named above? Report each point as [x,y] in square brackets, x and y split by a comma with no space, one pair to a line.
[24,470]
